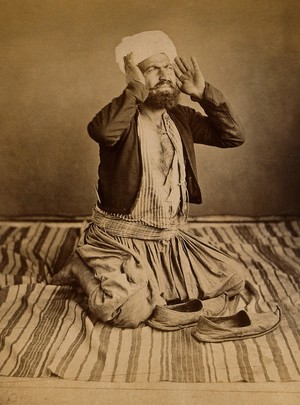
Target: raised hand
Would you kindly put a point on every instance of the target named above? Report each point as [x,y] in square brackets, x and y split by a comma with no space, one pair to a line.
[189,77]
[133,72]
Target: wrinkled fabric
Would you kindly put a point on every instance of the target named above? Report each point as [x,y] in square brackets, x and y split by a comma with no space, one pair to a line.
[143,45]
[145,273]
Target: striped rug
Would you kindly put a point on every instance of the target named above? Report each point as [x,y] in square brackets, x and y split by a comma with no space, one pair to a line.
[46,331]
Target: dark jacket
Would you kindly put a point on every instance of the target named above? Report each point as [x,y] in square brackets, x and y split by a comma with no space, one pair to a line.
[114,128]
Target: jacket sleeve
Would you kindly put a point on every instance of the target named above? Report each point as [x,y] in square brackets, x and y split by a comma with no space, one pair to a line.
[220,127]
[108,126]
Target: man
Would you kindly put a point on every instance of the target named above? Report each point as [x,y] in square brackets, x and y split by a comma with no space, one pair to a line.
[134,254]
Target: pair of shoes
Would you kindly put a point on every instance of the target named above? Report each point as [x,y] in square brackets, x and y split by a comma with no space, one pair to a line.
[186,314]
[241,325]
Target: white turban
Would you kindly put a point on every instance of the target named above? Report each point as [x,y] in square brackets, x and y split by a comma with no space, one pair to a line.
[144,45]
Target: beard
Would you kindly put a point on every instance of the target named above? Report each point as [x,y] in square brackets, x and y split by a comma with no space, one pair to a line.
[162,99]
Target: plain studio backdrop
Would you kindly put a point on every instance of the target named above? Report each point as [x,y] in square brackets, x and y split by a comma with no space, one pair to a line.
[58,70]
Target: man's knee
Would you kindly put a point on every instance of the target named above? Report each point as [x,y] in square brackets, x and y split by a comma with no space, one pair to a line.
[134,311]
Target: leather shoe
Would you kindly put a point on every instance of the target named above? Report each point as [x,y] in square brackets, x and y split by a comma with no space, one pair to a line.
[186,314]
[242,325]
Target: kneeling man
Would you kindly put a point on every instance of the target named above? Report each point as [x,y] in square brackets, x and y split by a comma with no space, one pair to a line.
[135,255]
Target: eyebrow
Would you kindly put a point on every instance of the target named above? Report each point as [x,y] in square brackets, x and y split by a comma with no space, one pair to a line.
[156,66]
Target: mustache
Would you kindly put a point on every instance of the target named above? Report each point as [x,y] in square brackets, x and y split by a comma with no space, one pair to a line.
[161,83]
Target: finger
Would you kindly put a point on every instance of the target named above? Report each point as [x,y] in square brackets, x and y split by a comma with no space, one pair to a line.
[128,57]
[127,62]
[132,61]
[177,71]
[180,65]
[195,64]
[178,84]
[131,58]
[186,64]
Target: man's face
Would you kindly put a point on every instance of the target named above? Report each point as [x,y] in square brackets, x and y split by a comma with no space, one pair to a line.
[159,73]
[161,79]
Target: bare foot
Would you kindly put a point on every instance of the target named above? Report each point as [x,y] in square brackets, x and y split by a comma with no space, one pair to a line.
[67,275]
[64,277]
[76,272]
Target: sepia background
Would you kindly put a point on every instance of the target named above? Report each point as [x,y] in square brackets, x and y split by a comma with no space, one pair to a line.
[58,70]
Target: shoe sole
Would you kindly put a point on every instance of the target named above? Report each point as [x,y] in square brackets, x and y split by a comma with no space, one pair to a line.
[159,326]
[235,337]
